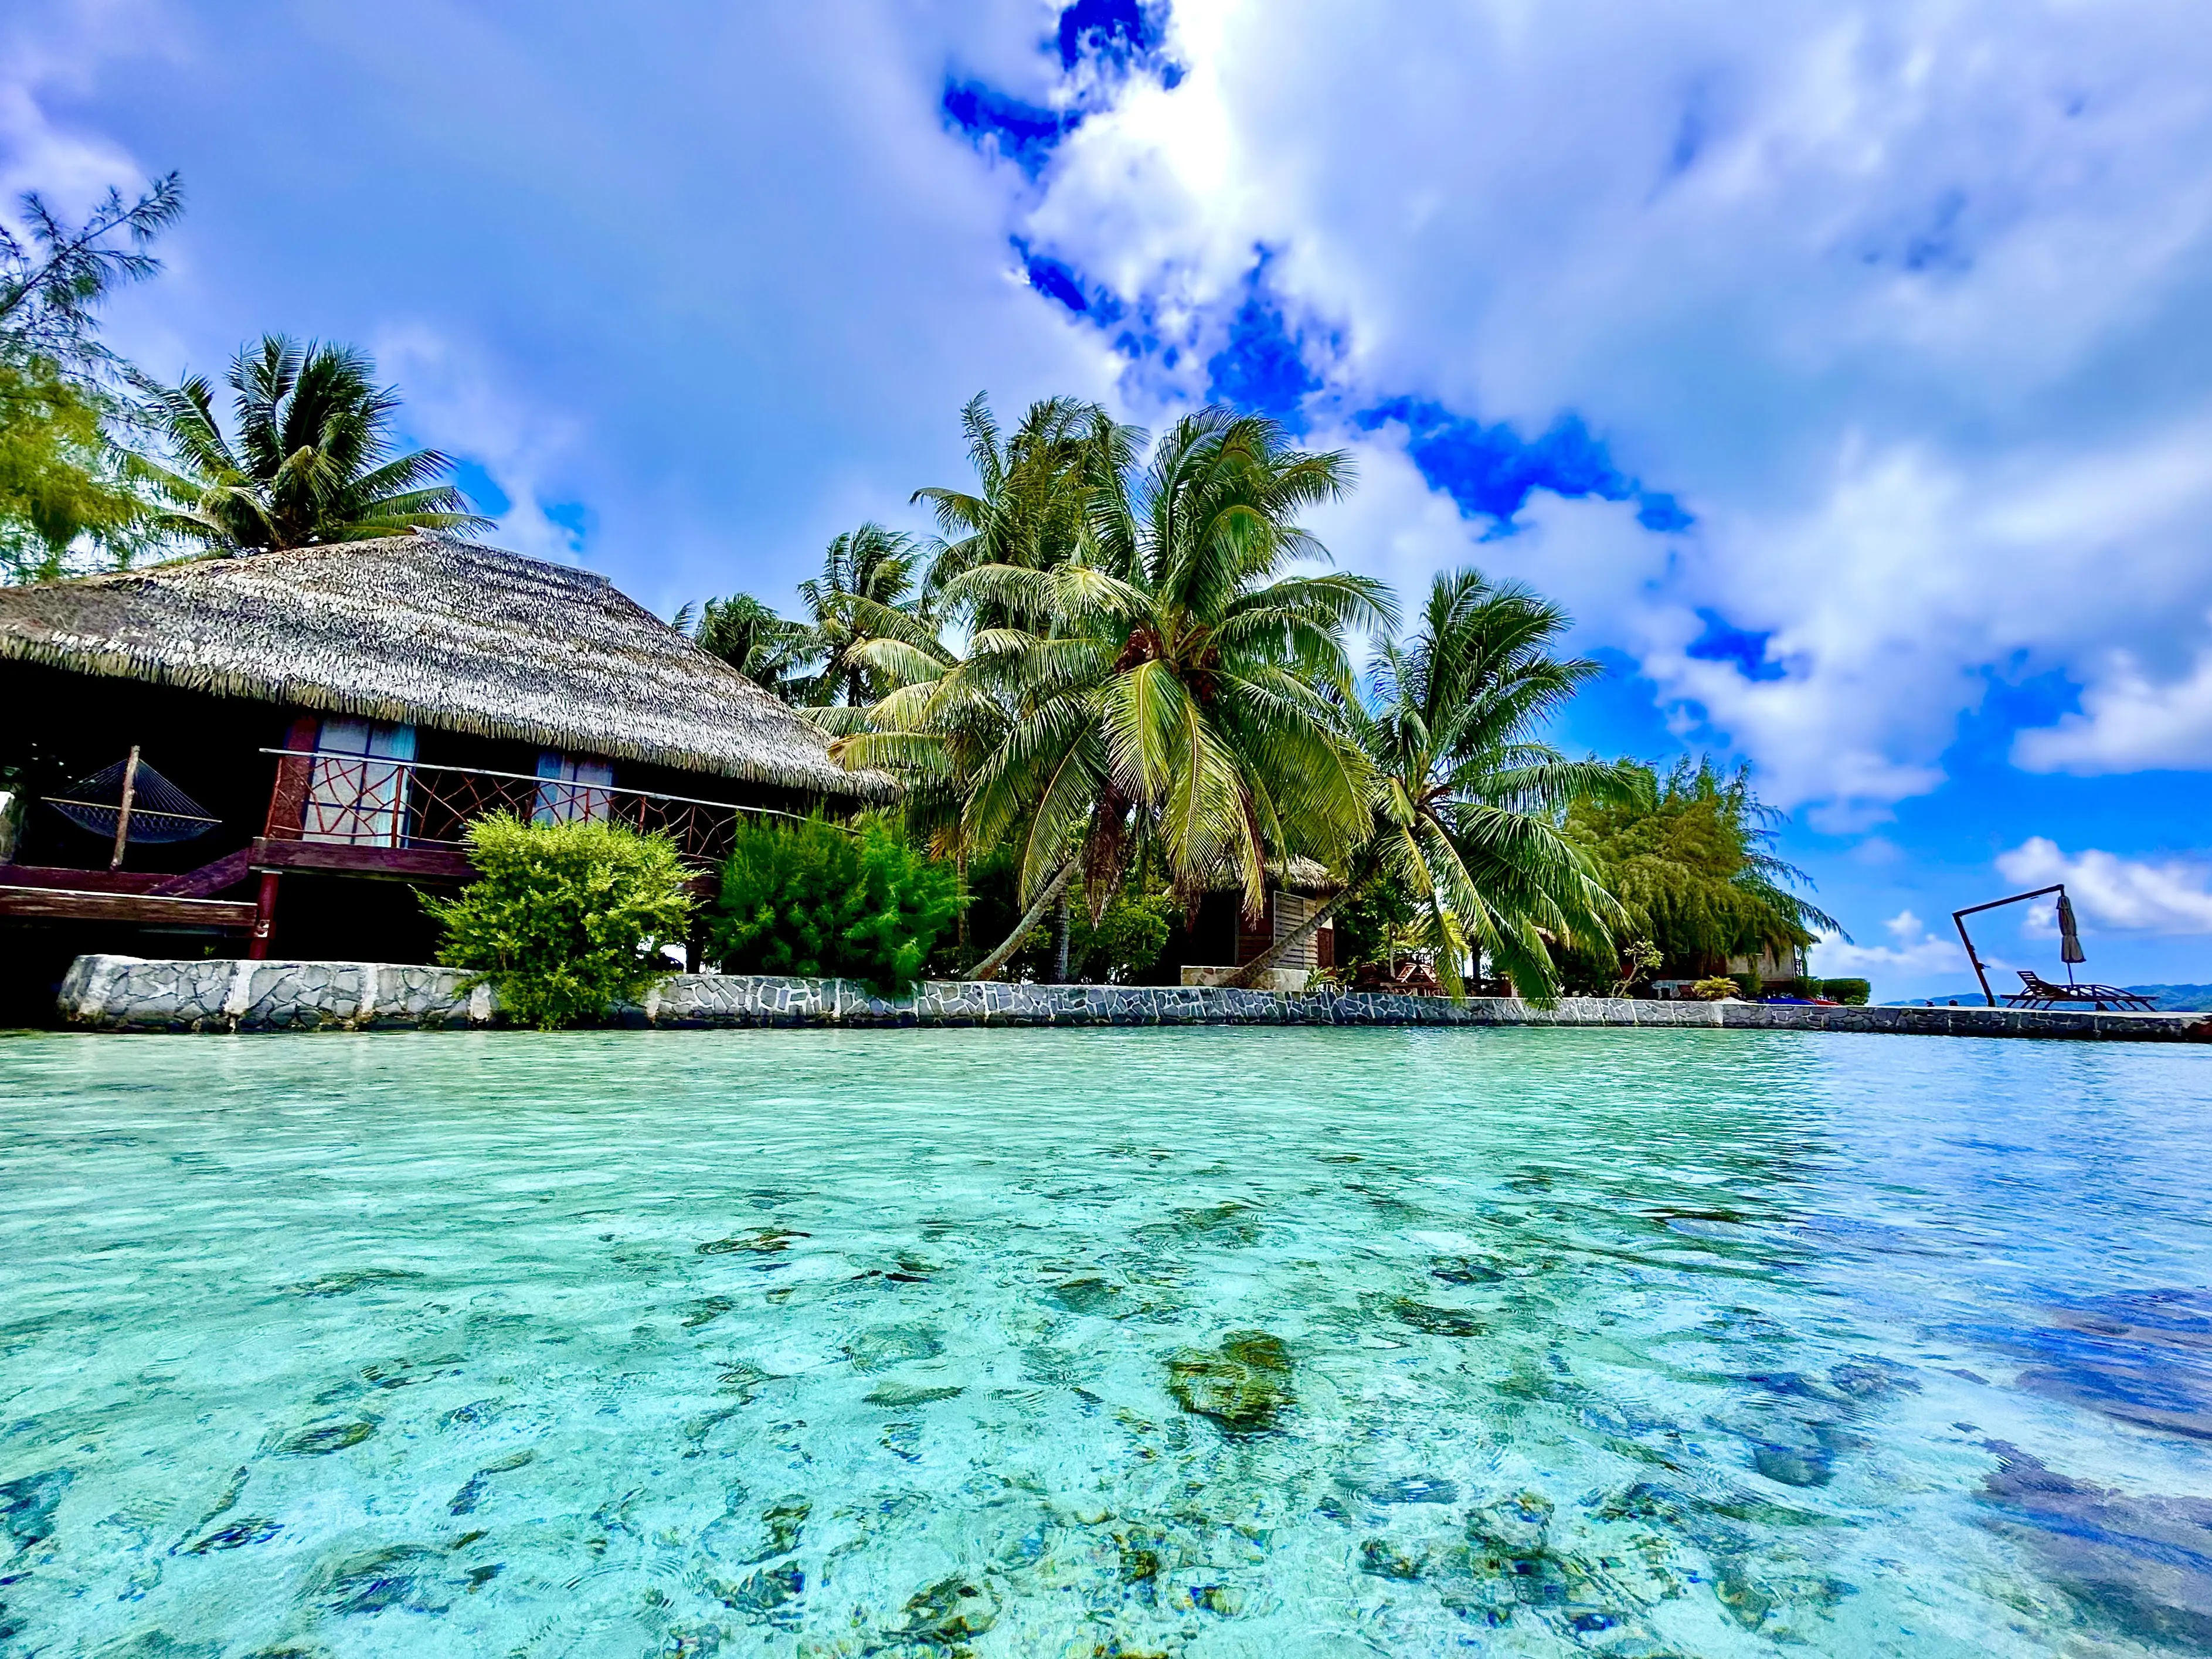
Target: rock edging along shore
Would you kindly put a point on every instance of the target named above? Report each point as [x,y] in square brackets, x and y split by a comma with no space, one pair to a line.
[129,993]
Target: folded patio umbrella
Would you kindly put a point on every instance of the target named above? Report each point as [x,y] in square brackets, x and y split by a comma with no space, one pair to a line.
[2069,938]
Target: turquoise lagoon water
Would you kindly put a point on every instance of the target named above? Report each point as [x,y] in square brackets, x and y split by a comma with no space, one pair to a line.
[1212,1342]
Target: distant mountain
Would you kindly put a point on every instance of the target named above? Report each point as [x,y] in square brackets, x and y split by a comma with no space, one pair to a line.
[2178,999]
[2170,999]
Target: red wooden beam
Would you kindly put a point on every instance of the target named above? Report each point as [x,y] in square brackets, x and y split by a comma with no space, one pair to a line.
[59,904]
[287,799]
[81,881]
[265,919]
[225,871]
[338,859]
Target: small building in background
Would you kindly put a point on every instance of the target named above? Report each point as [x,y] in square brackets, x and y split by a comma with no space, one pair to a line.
[1778,972]
[338,714]
[1225,938]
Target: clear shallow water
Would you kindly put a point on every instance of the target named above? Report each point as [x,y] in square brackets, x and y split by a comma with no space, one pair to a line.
[1211,1342]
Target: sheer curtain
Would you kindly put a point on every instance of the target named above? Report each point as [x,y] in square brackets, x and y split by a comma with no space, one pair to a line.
[569,795]
[356,794]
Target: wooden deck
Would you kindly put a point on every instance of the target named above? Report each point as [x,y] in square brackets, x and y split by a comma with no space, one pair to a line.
[49,893]
[41,903]
[186,899]
[81,881]
[338,859]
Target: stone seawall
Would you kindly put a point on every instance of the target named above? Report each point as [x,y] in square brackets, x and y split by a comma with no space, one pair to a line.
[128,994]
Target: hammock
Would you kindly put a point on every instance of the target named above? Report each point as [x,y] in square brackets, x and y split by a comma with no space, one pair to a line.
[160,811]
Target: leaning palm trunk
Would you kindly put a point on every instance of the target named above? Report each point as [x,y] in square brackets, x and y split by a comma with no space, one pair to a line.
[1249,975]
[988,968]
[1363,870]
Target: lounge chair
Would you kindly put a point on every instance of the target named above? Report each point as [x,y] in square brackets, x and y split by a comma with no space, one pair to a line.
[2039,993]
[1412,979]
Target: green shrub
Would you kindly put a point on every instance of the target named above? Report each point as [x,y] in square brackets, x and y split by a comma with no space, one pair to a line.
[1750,985]
[994,901]
[1852,991]
[816,900]
[1715,987]
[566,918]
[1123,948]
[1127,940]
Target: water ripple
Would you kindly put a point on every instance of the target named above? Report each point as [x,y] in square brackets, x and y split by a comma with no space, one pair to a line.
[1104,1343]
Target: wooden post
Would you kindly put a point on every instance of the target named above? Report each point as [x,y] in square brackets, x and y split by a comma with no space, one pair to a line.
[264,918]
[123,818]
[287,801]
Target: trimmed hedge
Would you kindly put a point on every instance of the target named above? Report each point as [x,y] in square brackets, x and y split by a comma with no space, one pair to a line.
[567,919]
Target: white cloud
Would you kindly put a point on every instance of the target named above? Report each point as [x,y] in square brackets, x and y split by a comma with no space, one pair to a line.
[1589,555]
[452,402]
[2123,894]
[1899,300]
[738,250]
[2129,722]
[1917,571]
[70,166]
[1877,850]
[1904,300]
[1915,954]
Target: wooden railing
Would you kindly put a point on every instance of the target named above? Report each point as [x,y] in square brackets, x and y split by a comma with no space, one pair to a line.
[368,800]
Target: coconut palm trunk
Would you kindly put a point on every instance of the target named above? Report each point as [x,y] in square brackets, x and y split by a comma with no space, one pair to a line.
[988,968]
[1465,804]
[1365,868]
[1249,975]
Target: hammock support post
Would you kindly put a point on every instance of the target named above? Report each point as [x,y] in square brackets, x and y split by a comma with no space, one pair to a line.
[131,802]
[123,818]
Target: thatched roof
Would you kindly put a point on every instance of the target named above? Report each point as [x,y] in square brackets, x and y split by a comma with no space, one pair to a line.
[438,632]
[1300,875]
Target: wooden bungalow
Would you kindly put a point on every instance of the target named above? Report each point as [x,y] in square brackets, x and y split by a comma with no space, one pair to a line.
[312,725]
[1225,938]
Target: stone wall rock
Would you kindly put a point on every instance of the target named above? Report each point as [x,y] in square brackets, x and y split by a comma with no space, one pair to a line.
[131,994]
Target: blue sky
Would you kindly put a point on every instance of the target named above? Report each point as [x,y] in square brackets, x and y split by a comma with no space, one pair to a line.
[1845,370]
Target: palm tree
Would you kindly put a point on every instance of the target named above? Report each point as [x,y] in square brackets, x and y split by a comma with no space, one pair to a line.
[1466,803]
[867,578]
[771,651]
[1030,505]
[1170,681]
[314,460]
[1029,509]
[934,726]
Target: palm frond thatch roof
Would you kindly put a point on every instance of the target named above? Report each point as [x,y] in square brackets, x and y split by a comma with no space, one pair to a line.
[437,632]
[1299,875]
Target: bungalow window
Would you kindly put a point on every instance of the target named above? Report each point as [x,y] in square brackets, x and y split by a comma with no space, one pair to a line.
[573,791]
[357,793]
